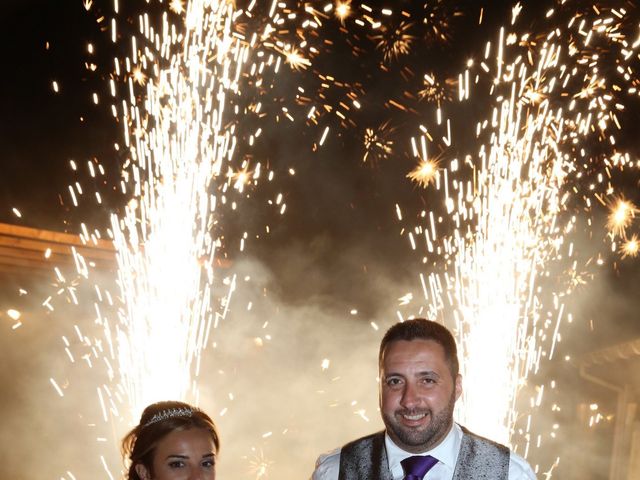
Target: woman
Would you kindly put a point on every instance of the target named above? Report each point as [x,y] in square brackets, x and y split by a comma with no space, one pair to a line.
[173,441]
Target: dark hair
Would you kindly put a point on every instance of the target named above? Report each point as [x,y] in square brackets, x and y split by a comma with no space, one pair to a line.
[422,329]
[139,445]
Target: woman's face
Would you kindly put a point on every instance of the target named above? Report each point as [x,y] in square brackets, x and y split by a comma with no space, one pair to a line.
[183,455]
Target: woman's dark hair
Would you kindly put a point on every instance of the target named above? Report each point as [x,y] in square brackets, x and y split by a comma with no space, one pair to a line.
[157,421]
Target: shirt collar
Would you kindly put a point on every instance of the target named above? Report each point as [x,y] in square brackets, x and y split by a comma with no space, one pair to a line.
[446,451]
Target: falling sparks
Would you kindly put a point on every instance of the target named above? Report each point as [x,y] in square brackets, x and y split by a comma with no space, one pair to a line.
[178,140]
[177,6]
[56,387]
[139,76]
[424,173]
[377,145]
[435,91]
[621,217]
[395,42]
[508,232]
[295,59]
[343,9]
[630,247]
[240,179]
[491,241]
[259,465]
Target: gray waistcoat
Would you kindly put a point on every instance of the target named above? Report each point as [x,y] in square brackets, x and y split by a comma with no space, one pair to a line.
[479,458]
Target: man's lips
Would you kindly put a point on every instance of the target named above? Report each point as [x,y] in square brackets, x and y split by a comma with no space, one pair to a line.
[413,418]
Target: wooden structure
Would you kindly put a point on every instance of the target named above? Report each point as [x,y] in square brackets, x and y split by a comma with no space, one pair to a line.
[26,251]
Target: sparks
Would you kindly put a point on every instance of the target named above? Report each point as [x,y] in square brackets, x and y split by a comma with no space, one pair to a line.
[424,173]
[295,59]
[177,6]
[395,42]
[165,245]
[138,76]
[377,145]
[631,247]
[621,217]
[343,10]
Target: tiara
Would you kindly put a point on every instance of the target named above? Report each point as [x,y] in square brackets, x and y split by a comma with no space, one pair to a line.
[169,413]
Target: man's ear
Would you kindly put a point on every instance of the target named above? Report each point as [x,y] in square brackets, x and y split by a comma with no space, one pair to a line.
[142,472]
[458,386]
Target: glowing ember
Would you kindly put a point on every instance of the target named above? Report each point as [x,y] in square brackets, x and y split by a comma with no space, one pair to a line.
[139,77]
[621,217]
[424,173]
[295,59]
[631,247]
[343,9]
[177,6]
[377,145]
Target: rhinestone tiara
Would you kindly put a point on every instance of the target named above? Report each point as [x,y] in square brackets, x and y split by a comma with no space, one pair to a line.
[169,413]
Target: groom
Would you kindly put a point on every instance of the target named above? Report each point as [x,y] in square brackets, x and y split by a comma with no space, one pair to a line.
[419,385]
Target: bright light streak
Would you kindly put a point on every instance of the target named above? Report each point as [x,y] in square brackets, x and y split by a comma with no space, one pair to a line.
[164,241]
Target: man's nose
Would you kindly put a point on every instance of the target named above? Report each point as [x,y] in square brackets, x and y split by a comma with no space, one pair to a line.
[410,396]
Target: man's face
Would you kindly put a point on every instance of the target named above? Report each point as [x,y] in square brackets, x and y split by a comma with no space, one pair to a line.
[417,394]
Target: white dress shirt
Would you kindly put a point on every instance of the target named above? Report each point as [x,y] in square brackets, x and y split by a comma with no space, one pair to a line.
[328,465]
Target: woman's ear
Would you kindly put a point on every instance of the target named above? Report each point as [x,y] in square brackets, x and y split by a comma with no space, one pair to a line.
[142,472]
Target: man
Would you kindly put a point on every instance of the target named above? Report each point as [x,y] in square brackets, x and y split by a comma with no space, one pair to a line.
[419,385]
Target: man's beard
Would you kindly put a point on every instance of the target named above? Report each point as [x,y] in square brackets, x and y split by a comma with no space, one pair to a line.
[418,440]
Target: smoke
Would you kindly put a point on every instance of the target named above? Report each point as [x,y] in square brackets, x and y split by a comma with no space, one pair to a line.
[297,377]
[291,371]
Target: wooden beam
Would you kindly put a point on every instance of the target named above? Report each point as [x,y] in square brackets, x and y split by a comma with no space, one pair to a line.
[25,248]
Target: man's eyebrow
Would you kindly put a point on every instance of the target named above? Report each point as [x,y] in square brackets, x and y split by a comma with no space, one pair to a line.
[208,455]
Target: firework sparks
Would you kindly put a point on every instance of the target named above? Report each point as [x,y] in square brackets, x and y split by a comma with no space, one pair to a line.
[435,91]
[508,230]
[177,6]
[178,139]
[139,76]
[437,17]
[504,203]
[377,145]
[295,59]
[395,42]
[259,465]
[424,173]
[631,247]
[343,10]
[621,217]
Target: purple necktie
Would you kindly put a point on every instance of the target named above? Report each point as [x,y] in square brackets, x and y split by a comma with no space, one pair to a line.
[416,467]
